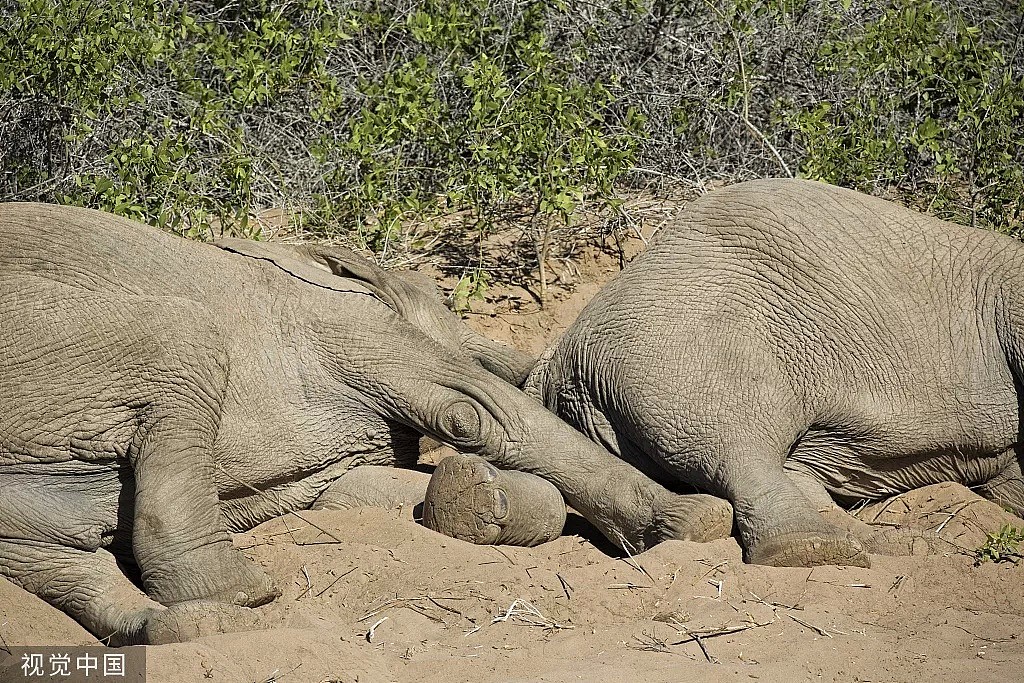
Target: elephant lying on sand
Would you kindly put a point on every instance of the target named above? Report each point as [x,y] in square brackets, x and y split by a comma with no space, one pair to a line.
[783,339]
[157,393]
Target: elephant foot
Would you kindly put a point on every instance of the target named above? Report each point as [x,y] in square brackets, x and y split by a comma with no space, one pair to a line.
[470,499]
[890,540]
[809,549]
[906,541]
[213,573]
[695,517]
[191,620]
[253,587]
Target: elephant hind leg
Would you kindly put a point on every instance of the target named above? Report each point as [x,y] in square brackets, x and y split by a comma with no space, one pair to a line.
[87,585]
[1007,489]
[780,526]
[777,522]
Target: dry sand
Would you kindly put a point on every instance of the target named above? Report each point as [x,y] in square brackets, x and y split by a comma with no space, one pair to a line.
[392,601]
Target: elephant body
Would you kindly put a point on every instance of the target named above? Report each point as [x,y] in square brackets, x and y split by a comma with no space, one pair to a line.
[225,322]
[783,338]
[157,393]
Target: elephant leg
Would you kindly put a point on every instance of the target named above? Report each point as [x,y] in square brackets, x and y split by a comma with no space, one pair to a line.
[778,524]
[721,453]
[820,498]
[374,486]
[90,587]
[335,487]
[776,521]
[157,365]
[466,498]
[87,585]
[878,540]
[179,536]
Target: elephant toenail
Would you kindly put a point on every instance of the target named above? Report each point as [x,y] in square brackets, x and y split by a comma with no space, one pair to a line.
[486,473]
[500,504]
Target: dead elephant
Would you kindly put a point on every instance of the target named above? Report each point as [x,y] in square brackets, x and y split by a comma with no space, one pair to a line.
[158,393]
[786,343]
[782,343]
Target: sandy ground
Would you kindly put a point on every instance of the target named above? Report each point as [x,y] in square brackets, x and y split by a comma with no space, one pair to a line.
[370,595]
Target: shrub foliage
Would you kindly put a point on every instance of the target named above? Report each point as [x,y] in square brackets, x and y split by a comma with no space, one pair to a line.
[360,116]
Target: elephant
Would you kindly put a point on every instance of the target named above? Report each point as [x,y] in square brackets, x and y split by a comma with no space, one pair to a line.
[158,393]
[787,345]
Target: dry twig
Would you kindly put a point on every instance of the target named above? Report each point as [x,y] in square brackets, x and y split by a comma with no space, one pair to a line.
[525,612]
[331,584]
[309,584]
[630,560]
[817,629]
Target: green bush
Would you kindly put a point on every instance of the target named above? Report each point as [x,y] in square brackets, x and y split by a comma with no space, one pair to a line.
[146,108]
[358,118]
[934,111]
[192,116]
[483,122]
[1001,546]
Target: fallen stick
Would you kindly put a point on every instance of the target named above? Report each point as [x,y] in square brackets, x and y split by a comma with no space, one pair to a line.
[700,634]
[803,623]
[626,545]
[331,585]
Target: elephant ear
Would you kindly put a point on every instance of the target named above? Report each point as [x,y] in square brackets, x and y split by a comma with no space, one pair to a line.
[333,268]
[347,264]
[417,300]
[297,262]
[419,303]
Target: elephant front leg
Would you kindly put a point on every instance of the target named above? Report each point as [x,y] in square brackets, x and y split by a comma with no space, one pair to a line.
[778,523]
[179,537]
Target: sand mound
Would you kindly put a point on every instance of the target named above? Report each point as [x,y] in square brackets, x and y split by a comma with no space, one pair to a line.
[950,509]
[443,610]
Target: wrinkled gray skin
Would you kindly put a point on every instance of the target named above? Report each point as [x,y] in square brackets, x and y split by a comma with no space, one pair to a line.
[783,338]
[157,393]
